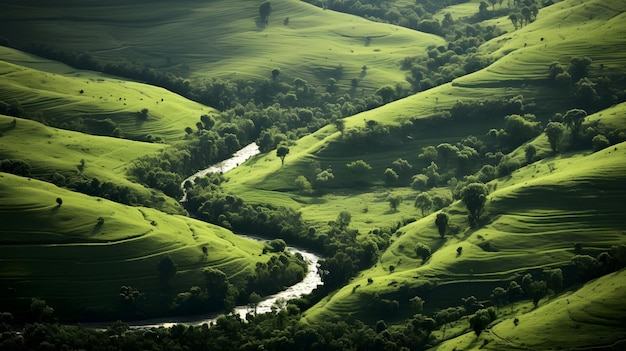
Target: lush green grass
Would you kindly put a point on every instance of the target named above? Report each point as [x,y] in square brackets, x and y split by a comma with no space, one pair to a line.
[54,91]
[222,38]
[62,254]
[535,217]
[592,316]
[51,150]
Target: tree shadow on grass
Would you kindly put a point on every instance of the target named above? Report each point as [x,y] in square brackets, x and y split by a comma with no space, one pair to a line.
[317,201]
[391,211]
[260,24]
[96,228]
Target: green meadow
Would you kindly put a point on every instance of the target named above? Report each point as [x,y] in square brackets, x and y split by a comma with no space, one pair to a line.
[553,205]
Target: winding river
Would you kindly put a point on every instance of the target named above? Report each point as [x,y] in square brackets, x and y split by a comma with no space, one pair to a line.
[307,285]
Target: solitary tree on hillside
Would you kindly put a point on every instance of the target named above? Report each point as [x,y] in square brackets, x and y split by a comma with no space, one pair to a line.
[264,11]
[424,202]
[275,73]
[554,131]
[474,196]
[442,223]
[531,152]
[394,201]
[282,152]
[59,201]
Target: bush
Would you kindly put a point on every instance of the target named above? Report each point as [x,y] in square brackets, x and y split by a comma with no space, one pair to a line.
[600,142]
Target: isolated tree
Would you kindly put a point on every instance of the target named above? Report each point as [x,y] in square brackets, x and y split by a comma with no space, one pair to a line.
[424,202]
[442,223]
[474,196]
[423,251]
[59,201]
[394,201]
[554,131]
[493,5]
[275,73]
[282,151]
[167,269]
[530,152]
[264,11]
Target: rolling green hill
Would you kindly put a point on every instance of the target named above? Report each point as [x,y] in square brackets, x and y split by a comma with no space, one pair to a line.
[77,255]
[81,100]
[533,219]
[53,152]
[535,215]
[222,38]
[590,317]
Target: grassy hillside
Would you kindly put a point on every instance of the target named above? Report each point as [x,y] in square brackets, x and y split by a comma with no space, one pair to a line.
[79,254]
[51,151]
[534,219]
[590,317]
[222,38]
[535,215]
[76,99]
[518,71]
